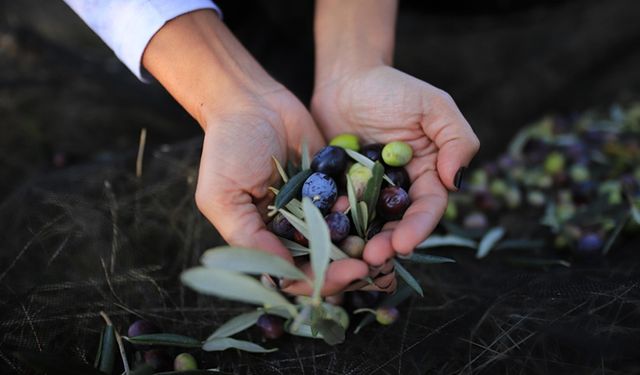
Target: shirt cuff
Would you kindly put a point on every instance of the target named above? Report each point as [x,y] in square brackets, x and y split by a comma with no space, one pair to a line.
[127,26]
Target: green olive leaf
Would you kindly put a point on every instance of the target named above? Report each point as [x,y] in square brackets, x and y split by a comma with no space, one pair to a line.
[319,243]
[408,278]
[225,343]
[332,332]
[302,330]
[353,205]
[250,261]
[96,362]
[281,171]
[366,162]
[372,191]
[489,241]
[295,248]
[429,259]
[295,207]
[447,241]
[301,226]
[234,286]
[291,188]
[165,339]
[305,158]
[364,216]
[107,356]
[237,324]
[616,232]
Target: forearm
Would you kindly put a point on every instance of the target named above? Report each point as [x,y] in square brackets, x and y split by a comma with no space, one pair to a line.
[353,33]
[202,65]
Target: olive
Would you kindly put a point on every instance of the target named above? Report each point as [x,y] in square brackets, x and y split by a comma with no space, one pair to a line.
[321,189]
[589,243]
[330,160]
[158,359]
[393,202]
[583,191]
[282,227]
[373,151]
[399,176]
[271,326]
[185,362]
[353,246]
[397,154]
[348,141]
[387,315]
[300,238]
[142,327]
[339,226]
[554,163]
[359,175]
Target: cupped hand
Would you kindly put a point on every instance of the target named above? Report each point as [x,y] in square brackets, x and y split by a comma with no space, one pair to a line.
[381,104]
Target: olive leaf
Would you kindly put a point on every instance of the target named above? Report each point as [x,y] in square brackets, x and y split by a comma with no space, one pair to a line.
[96,362]
[364,216]
[536,262]
[301,226]
[295,207]
[165,339]
[302,330]
[319,243]
[616,232]
[372,191]
[635,212]
[332,332]
[292,169]
[250,261]
[353,204]
[107,356]
[281,171]
[408,278]
[291,188]
[429,259]
[366,162]
[305,158]
[489,241]
[225,343]
[233,286]
[446,241]
[235,325]
[520,244]
[295,248]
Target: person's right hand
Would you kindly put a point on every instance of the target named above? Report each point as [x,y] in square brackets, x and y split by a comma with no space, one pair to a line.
[248,118]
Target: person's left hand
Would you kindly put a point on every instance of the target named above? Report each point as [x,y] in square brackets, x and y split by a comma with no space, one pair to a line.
[381,104]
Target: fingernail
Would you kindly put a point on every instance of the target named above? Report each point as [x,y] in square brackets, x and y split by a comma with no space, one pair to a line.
[457,180]
[284,283]
[375,269]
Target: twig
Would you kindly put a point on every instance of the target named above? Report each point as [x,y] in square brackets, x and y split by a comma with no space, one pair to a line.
[143,141]
[125,363]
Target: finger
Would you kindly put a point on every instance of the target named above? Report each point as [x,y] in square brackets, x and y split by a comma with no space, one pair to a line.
[300,129]
[457,143]
[428,202]
[341,205]
[387,284]
[238,220]
[339,275]
[379,248]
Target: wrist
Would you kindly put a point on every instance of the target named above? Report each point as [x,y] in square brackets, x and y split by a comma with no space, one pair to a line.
[201,64]
[352,36]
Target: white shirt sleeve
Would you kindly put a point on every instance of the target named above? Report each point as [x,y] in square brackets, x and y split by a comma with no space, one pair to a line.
[127,26]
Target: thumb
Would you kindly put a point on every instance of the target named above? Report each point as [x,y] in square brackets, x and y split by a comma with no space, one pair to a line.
[457,143]
[238,221]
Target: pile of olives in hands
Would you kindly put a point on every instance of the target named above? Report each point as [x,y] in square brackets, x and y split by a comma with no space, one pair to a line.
[333,171]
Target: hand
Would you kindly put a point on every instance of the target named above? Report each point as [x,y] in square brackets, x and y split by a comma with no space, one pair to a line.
[247,118]
[381,104]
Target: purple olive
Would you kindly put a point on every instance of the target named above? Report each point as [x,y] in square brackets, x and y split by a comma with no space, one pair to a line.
[300,238]
[476,220]
[589,244]
[393,202]
[272,326]
[158,359]
[321,189]
[339,226]
[142,327]
[373,151]
[282,227]
[330,160]
[399,176]
[583,191]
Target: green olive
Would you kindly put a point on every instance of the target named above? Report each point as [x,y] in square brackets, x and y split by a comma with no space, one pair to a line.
[348,141]
[397,154]
[185,362]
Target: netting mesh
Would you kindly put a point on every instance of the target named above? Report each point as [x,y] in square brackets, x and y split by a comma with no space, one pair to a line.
[95,238]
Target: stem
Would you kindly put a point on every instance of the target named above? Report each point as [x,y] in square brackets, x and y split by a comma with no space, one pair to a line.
[365,309]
